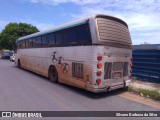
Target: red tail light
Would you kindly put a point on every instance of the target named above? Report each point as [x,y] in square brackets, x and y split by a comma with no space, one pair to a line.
[131,65]
[130,77]
[99,58]
[99,73]
[98,81]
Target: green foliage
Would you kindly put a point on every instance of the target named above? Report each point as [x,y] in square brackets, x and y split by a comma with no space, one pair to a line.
[153,94]
[12,32]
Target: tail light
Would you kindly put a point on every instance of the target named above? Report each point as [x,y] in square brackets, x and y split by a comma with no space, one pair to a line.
[99,73]
[130,77]
[99,65]
[99,58]
[131,65]
[98,81]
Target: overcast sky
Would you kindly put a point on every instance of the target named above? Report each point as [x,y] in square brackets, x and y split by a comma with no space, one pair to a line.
[142,16]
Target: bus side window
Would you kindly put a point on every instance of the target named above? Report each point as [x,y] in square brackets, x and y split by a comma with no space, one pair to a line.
[45,40]
[51,39]
[23,44]
[17,45]
[27,43]
[83,34]
[34,42]
[38,42]
[20,44]
[69,36]
[30,43]
[58,36]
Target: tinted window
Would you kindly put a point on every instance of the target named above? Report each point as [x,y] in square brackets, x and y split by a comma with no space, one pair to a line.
[20,44]
[51,39]
[10,53]
[58,36]
[23,44]
[83,34]
[69,36]
[7,53]
[45,40]
[30,43]
[38,42]
[27,43]
[34,42]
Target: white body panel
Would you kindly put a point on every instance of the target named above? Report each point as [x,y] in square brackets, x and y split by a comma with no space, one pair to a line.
[39,60]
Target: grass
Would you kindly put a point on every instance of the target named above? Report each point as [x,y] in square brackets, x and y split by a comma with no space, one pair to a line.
[153,94]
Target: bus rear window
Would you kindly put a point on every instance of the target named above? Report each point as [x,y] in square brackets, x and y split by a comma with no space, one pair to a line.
[113,31]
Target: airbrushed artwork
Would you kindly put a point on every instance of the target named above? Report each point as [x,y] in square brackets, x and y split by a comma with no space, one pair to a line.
[60,60]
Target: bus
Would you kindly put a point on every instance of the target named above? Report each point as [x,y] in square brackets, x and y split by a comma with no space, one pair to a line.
[92,53]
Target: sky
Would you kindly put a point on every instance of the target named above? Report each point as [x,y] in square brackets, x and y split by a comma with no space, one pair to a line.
[142,16]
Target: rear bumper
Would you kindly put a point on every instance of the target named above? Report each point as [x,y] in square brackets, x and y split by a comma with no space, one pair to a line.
[97,89]
[104,89]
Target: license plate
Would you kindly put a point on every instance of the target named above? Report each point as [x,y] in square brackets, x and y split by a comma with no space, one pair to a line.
[117,75]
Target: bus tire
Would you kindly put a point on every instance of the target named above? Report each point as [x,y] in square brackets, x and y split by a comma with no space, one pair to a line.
[19,64]
[53,74]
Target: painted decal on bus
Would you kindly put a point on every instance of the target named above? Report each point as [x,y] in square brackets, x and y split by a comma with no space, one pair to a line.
[64,66]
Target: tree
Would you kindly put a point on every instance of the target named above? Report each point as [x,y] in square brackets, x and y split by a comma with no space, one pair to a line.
[12,32]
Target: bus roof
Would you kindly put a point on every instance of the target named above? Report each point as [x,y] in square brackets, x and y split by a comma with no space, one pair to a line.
[68,25]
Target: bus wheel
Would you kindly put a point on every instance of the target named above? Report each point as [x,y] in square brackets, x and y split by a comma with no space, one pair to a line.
[19,64]
[53,74]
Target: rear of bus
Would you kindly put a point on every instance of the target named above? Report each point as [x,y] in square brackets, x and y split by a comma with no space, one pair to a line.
[111,56]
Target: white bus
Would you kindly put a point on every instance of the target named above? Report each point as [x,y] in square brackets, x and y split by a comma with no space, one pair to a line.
[92,53]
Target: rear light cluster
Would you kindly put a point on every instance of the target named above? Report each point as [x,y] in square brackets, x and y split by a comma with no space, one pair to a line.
[98,81]
[99,65]
[131,68]
[99,58]
[99,72]
[130,77]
